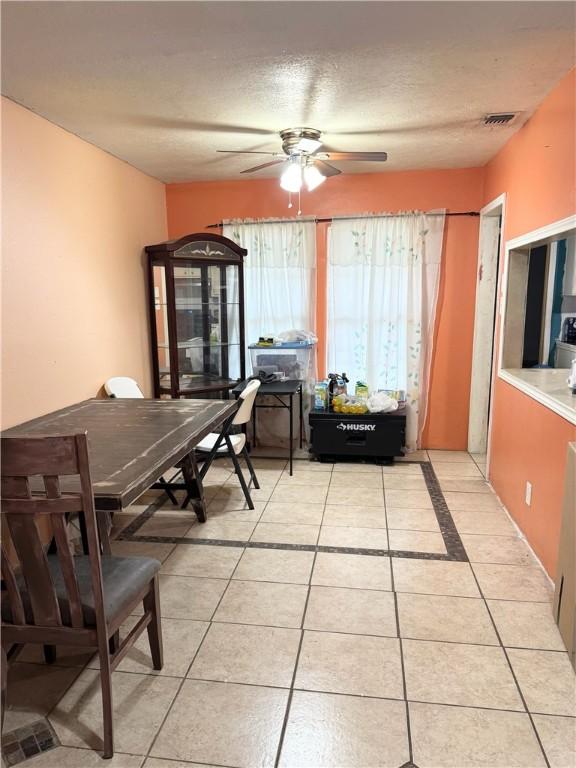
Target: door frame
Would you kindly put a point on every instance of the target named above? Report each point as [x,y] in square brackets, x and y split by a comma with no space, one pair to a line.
[482,387]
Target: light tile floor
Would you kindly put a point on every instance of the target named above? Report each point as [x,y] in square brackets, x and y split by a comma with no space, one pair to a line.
[334,625]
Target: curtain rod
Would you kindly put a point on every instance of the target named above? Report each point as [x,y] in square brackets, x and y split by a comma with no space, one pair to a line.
[344,218]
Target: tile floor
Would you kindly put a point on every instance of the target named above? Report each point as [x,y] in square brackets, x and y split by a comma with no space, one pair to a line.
[358,616]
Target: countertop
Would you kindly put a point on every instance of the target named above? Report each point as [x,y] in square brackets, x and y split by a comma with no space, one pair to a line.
[547,385]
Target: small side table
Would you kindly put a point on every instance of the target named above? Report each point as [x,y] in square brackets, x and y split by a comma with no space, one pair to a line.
[278,390]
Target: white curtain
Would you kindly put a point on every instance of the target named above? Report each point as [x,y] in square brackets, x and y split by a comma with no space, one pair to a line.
[279,275]
[279,295]
[383,276]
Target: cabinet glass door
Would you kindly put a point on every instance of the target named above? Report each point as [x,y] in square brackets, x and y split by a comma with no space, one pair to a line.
[207,322]
[161,322]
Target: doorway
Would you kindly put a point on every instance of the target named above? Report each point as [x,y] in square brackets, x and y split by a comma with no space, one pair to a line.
[489,244]
[535,316]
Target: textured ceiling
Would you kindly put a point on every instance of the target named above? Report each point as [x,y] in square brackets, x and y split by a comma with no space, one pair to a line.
[163,85]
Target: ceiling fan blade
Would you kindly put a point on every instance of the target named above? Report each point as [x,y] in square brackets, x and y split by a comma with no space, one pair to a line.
[227,128]
[184,124]
[327,169]
[264,165]
[246,152]
[404,129]
[374,157]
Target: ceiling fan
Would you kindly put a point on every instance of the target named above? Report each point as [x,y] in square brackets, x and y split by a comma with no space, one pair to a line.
[304,164]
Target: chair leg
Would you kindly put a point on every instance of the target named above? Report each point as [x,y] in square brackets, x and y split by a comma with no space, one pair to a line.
[106,685]
[250,467]
[154,628]
[213,451]
[239,473]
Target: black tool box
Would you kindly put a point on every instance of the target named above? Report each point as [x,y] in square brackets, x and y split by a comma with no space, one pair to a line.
[379,436]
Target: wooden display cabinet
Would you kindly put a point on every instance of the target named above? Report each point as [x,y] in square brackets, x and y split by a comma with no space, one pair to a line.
[196,298]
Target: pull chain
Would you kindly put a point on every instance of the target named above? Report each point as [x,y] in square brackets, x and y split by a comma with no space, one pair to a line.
[289,199]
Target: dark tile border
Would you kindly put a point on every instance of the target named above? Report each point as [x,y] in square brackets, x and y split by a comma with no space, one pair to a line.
[126,534]
[28,741]
[290,547]
[452,540]
[455,551]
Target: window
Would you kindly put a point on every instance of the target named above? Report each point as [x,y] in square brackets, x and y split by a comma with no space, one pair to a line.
[383,276]
[540,325]
[538,329]
[279,275]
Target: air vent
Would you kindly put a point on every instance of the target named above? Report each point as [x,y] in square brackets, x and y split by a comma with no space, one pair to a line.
[500,118]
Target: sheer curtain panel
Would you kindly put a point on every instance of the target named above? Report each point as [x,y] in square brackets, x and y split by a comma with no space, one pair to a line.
[383,276]
[279,275]
[280,294]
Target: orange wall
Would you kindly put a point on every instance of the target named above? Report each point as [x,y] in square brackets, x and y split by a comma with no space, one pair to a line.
[529,443]
[536,170]
[191,207]
[75,221]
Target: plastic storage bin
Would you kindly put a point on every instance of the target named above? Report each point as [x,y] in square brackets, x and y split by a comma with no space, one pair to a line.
[295,360]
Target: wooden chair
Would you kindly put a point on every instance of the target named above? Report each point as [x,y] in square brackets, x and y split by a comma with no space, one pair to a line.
[62,598]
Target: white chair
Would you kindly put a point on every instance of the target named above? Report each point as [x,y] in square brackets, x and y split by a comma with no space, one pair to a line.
[216,445]
[125,387]
[122,386]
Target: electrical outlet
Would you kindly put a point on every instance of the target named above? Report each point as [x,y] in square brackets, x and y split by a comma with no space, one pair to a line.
[528,497]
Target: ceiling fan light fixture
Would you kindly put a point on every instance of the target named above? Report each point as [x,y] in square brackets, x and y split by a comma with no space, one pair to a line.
[312,177]
[308,145]
[291,179]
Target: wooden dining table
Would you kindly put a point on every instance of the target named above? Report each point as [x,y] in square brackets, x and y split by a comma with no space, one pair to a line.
[133,443]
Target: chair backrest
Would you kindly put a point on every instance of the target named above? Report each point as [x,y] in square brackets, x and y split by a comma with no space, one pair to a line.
[247,397]
[122,386]
[30,491]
